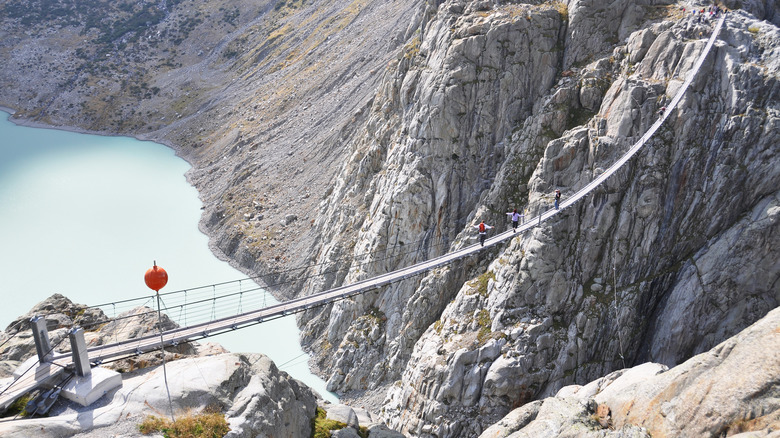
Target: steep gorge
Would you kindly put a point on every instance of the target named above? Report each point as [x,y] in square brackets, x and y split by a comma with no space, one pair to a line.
[388,129]
[650,268]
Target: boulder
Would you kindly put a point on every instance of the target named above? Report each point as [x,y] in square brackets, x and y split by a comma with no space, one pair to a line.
[257,399]
[343,414]
[727,391]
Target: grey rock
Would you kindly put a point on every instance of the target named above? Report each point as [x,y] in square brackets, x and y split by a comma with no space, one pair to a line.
[258,400]
[704,396]
[347,432]
[288,219]
[638,45]
[344,414]
[382,431]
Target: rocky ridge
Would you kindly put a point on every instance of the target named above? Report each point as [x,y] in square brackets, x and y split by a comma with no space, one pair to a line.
[257,399]
[707,395]
[650,268]
[474,108]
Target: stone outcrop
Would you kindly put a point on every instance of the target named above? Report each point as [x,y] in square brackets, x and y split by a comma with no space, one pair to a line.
[61,315]
[257,399]
[712,394]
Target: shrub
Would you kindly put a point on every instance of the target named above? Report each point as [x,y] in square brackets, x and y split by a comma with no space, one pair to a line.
[205,424]
[321,426]
[562,9]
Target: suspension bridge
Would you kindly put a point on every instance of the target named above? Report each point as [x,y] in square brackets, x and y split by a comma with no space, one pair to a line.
[49,364]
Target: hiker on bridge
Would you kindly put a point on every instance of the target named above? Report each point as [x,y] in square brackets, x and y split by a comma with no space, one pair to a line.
[482,227]
[515,216]
[557,198]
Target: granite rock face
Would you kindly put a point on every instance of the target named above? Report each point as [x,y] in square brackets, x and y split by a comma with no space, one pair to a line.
[674,254]
[257,399]
[430,146]
[712,394]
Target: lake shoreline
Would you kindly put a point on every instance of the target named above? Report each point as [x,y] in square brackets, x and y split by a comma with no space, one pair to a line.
[219,254]
[126,280]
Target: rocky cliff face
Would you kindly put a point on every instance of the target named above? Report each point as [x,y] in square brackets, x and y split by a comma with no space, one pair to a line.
[432,143]
[402,124]
[711,394]
[668,258]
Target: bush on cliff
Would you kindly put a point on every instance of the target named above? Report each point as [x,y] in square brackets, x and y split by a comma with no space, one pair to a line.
[205,424]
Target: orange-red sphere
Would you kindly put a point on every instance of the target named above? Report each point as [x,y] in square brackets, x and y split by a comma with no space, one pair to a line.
[156,278]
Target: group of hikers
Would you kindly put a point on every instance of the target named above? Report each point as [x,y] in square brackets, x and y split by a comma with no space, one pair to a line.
[713,11]
[514,216]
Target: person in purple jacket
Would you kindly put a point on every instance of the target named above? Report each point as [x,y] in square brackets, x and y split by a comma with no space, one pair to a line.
[515,216]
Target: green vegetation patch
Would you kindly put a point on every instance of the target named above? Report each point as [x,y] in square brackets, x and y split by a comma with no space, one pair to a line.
[480,284]
[321,426]
[18,407]
[205,424]
[484,323]
[412,48]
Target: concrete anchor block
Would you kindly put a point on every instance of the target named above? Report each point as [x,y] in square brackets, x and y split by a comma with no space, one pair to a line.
[86,390]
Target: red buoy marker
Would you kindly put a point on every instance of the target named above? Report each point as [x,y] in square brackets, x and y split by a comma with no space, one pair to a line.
[156,278]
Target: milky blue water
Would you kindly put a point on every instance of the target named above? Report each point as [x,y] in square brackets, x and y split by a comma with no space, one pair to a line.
[85,216]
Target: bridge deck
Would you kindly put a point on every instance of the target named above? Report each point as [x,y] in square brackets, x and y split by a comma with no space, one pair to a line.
[43,373]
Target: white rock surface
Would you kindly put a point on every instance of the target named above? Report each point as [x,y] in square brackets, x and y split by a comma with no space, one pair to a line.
[258,400]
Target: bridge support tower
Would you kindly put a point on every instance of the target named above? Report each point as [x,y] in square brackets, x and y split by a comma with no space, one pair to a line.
[41,338]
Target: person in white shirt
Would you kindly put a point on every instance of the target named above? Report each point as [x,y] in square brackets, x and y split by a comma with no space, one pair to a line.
[482,227]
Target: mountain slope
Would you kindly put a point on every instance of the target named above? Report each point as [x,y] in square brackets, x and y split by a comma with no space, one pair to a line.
[379,133]
[670,257]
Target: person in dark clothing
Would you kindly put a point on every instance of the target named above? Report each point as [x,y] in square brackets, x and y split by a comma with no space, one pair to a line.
[557,198]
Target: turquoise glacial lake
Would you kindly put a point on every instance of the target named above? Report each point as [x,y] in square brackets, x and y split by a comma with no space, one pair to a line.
[86,215]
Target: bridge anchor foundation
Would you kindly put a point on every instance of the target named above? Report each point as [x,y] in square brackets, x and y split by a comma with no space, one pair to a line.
[86,390]
[88,385]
